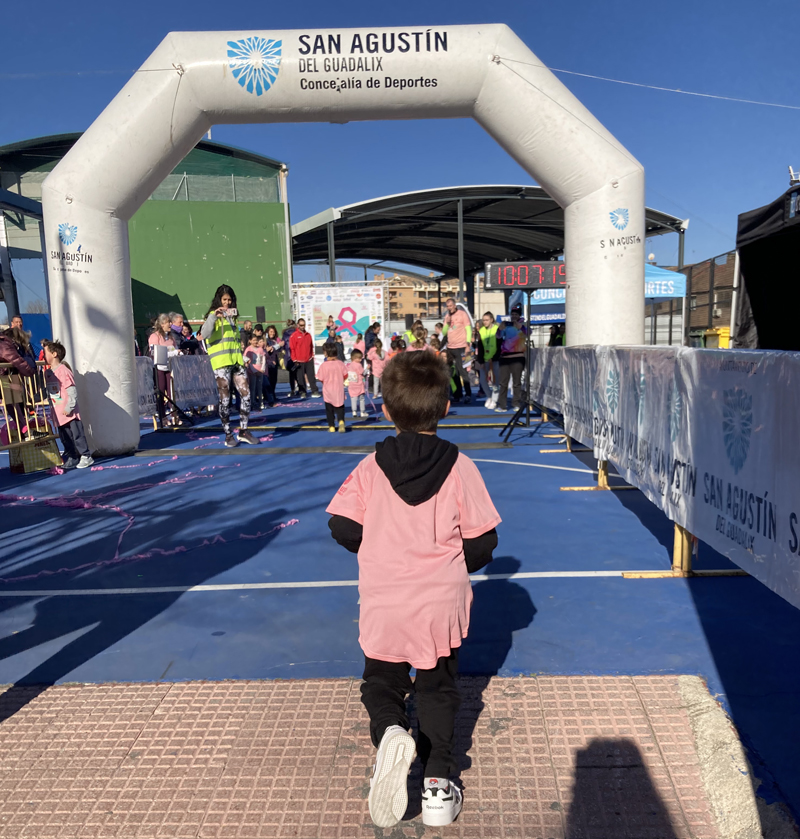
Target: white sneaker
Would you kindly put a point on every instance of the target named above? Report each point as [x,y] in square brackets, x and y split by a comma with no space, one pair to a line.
[86,460]
[388,793]
[441,802]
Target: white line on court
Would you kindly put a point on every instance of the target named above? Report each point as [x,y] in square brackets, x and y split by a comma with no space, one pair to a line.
[540,466]
[91,592]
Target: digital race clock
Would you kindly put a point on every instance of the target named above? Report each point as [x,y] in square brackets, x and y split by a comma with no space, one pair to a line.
[525,275]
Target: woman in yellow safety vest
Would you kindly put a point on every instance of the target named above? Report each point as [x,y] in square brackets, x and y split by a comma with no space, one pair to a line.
[225,353]
[488,356]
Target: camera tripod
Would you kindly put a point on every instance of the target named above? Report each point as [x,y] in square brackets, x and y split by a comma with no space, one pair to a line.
[525,399]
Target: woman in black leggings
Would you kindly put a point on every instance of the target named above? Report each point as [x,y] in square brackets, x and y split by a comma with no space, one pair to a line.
[512,360]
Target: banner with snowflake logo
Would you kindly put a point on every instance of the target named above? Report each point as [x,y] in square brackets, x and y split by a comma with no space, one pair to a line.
[709,436]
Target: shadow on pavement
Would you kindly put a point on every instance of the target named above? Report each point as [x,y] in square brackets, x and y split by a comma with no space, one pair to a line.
[102,621]
[614,796]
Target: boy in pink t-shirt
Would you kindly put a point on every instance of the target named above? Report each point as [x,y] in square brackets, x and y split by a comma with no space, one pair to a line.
[64,400]
[415,603]
[355,383]
[333,374]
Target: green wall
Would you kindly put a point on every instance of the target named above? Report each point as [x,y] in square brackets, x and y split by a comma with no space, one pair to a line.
[182,250]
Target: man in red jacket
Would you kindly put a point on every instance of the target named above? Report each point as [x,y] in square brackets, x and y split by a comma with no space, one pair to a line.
[301,347]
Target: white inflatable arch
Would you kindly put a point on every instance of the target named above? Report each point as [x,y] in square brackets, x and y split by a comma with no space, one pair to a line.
[198,79]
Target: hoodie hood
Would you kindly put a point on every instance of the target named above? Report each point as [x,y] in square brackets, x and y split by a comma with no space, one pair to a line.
[416,464]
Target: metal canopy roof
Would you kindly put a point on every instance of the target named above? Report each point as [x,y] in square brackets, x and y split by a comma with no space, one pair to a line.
[501,223]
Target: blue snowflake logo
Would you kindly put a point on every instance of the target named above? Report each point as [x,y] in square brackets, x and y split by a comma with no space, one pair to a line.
[619,218]
[255,63]
[67,233]
[675,413]
[612,390]
[737,425]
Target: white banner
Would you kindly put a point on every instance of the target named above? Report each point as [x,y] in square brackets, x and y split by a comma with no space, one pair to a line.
[146,386]
[353,309]
[193,382]
[709,436]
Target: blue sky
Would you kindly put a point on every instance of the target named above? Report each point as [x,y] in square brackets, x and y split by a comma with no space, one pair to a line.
[705,159]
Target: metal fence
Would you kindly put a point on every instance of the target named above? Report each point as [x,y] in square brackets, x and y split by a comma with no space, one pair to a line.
[707,306]
[25,431]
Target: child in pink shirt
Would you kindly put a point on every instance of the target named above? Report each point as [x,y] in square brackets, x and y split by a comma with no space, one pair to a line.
[377,360]
[333,374]
[64,400]
[415,603]
[355,383]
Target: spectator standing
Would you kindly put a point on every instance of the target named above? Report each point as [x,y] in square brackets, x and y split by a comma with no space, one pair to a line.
[64,400]
[301,345]
[288,364]
[13,345]
[189,345]
[458,329]
[489,359]
[333,375]
[225,353]
[163,336]
[255,361]
[245,332]
[272,347]
[371,337]
[414,602]
[512,360]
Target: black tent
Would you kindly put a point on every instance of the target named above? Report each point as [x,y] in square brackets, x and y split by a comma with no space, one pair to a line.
[768,240]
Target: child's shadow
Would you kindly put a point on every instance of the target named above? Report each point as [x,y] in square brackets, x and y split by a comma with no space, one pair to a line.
[499,608]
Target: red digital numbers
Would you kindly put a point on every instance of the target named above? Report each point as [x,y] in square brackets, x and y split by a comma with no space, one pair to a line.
[527,275]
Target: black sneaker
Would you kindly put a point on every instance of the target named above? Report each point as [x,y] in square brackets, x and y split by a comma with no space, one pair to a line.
[70,463]
[230,441]
[247,437]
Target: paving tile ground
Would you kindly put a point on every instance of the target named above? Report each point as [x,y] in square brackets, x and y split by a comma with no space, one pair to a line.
[541,758]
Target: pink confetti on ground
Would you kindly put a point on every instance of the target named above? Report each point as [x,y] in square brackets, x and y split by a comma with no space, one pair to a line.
[77,502]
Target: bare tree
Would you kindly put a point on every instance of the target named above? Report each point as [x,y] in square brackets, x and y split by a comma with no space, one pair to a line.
[36,307]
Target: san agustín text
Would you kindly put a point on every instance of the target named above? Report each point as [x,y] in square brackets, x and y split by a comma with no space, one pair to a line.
[746,514]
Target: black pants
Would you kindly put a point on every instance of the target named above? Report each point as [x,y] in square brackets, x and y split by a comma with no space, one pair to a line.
[456,358]
[292,375]
[510,368]
[73,439]
[330,410]
[305,369]
[383,693]
[271,385]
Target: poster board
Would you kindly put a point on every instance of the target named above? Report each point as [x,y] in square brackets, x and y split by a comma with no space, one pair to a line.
[354,309]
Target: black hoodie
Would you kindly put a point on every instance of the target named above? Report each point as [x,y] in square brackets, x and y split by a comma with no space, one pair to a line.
[416,465]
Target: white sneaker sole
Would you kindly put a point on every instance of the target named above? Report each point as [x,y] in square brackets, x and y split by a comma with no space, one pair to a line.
[388,795]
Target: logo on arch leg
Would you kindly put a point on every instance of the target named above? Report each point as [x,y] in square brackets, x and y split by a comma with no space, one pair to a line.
[619,218]
[255,63]
[67,233]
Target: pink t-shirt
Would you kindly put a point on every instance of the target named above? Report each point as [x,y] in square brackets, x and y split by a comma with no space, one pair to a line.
[257,357]
[378,363]
[360,345]
[412,348]
[415,596]
[457,331]
[332,373]
[355,378]
[58,379]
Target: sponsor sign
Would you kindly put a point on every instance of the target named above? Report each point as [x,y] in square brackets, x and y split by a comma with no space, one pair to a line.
[709,436]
